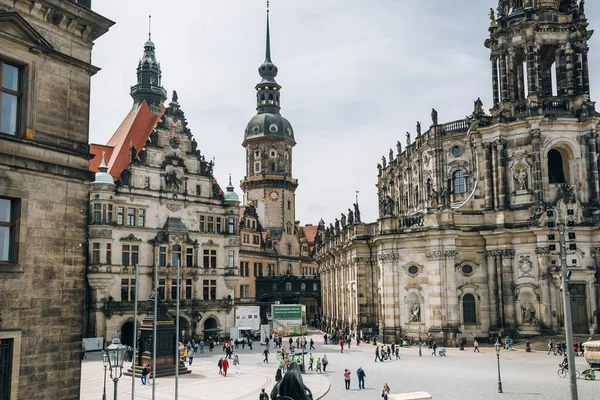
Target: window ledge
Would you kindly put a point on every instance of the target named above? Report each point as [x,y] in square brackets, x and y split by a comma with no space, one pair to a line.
[10,271]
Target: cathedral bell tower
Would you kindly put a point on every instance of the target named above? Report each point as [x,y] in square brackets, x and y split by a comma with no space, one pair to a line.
[269,140]
[149,76]
[539,57]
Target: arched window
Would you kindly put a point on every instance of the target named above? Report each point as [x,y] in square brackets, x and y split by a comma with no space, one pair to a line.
[469,312]
[556,170]
[271,97]
[176,256]
[459,182]
[303,287]
[288,287]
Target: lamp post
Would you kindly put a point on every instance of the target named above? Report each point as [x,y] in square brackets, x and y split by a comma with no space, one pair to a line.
[116,358]
[105,364]
[498,347]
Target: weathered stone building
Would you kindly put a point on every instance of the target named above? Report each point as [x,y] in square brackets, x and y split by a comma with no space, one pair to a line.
[466,240]
[45,71]
[276,262]
[156,203]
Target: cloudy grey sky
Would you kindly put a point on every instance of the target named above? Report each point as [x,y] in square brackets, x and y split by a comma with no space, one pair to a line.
[356,76]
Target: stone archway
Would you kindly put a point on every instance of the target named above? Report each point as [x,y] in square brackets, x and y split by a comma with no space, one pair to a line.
[126,335]
[211,327]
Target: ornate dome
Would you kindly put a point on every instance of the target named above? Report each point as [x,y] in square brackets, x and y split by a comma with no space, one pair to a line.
[271,126]
[230,195]
[102,176]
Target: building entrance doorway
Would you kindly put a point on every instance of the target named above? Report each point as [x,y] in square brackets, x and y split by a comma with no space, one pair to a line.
[579,309]
[127,334]
[210,328]
[6,359]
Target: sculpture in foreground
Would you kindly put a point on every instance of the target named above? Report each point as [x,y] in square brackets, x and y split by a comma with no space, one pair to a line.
[291,387]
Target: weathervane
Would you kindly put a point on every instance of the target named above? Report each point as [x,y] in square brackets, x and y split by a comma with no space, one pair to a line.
[268,6]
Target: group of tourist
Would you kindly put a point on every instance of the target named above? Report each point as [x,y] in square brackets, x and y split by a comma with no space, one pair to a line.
[560,348]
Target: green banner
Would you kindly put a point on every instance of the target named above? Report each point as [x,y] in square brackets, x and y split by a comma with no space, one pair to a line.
[286,312]
[290,330]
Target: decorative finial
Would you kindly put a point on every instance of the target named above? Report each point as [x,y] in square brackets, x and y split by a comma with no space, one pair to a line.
[268,6]
[149,27]
[230,184]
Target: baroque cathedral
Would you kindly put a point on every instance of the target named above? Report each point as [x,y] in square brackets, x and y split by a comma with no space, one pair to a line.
[466,242]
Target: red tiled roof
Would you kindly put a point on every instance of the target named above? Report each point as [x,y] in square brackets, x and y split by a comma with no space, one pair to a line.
[135,129]
[310,232]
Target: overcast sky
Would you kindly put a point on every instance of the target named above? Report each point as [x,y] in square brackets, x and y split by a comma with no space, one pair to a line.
[356,76]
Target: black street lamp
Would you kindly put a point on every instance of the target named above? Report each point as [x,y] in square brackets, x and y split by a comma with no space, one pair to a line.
[116,357]
[498,347]
[105,364]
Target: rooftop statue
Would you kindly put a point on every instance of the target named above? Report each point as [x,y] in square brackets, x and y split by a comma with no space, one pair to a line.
[434,116]
[418,129]
[492,17]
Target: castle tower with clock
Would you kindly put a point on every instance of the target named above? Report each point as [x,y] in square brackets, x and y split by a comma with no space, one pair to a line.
[269,140]
[276,263]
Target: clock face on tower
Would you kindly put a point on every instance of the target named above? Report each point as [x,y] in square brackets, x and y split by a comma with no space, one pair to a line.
[273,195]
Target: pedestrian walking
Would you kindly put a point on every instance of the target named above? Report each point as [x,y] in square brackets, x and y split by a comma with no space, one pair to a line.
[83,352]
[144,374]
[325,362]
[311,359]
[236,363]
[266,354]
[475,346]
[312,344]
[220,365]
[225,366]
[319,364]
[347,378]
[377,357]
[360,374]
[282,364]
[434,347]
[325,338]
[397,352]
[250,342]
[420,345]
[342,345]
[385,392]
[263,395]
[211,346]
[550,347]
[191,357]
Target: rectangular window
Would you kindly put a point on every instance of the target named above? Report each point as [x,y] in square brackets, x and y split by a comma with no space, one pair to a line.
[209,258]
[125,253]
[258,269]
[209,289]
[189,257]
[174,289]
[109,218]
[244,291]
[128,290]
[202,225]
[162,256]
[109,253]
[131,216]
[271,269]
[8,210]
[231,225]
[120,216]
[135,252]
[95,253]
[10,100]
[97,216]
[210,225]
[244,268]
[246,238]
[198,190]
[188,289]
[213,259]
[257,167]
[141,217]
[6,365]
[230,258]
[255,239]
[218,230]
[289,205]
[147,182]
[161,287]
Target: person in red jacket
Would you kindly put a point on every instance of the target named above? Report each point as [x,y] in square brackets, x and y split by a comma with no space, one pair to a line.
[225,366]
[342,344]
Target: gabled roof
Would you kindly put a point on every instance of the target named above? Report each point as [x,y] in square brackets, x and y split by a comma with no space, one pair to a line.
[309,232]
[15,26]
[174,224]
[134,130]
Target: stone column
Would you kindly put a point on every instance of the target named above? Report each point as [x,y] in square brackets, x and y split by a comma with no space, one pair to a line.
[495,90]
[496,175]
[561,72]
[502,183]
[512,75]
[508,293]
[452,314]
[504,89]
[570,70]
[593,166]
[537,165]
[520,81]
[492,289]
[585,71]
[578,74]
[545,279]
[500,288]
[532,72]
[488,170]
[434,289]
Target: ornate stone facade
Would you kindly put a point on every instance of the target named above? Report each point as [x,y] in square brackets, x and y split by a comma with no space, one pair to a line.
[469,209]
[45,52]
[165,208]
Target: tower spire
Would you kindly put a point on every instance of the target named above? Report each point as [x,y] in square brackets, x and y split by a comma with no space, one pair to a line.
[149,28]
[268,50]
